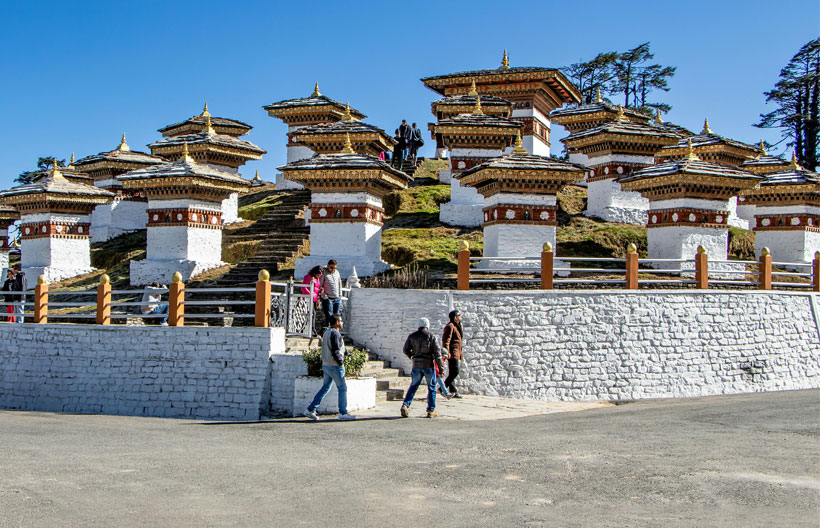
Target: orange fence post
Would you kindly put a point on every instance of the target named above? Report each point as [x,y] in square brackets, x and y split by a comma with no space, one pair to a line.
[765,280]
[40,301]
[262,313]
[464,266]
[816,272]
[702,269]
[104,301]
[631,267]
[547,266]
[176,301]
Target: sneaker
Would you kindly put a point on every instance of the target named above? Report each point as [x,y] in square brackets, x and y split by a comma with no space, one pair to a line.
[346,417]
[311,414]
[432,414]
[448,396]
[164,323]
[405,411]
[457,395]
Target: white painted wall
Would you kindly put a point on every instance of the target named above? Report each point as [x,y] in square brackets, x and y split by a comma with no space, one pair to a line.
[55,258]
[606,200]
[464,208]
[361,394]
[789,246]
[116,218]
[675,242]
[517,241]
[356,244]
[189,250]
[346,198]
[230,209]
[607,345]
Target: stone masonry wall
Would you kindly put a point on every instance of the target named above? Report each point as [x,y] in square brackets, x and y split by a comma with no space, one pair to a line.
[186,372]
[608,345]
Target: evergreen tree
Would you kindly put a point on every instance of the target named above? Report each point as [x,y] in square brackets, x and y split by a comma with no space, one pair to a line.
[592,75]
[43,164]
[797,96]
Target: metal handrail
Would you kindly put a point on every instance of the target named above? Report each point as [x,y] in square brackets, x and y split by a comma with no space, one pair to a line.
[534,259]
[592,270]
[801,264]
[214,303]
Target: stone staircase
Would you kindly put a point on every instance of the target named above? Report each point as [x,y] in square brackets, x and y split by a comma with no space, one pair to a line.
[391,384]
[409,167]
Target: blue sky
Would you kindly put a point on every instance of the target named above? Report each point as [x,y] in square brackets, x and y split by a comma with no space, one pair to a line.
[76,75]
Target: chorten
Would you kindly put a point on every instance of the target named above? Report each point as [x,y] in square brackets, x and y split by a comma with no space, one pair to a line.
[519,191]
[185,217]
[126,212]
[329,138]
[346,210]
[535,92]
[688,205]
[611,150]
[787,214]
[8,215]
[304,111]
[472,139]
[763,164]
[225,152]
[590,115]
[710,147]
[55,220]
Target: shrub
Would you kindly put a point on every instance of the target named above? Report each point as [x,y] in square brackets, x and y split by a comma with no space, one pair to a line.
[355,361]
[392,203]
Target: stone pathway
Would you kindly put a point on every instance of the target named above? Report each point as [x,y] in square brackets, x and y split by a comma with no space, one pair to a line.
[473,407]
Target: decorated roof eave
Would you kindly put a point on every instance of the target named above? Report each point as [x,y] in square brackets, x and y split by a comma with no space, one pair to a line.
[714,143]
[439,83]
[174,149]
[52,197]
[216,122]
[335,108]
[331,136]
[632,183]
[473,130]
[520,177]
[190,181]
[393,178]
[596,115]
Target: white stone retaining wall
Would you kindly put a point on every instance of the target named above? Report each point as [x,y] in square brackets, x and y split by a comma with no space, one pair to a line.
[285,368]
[186,372]
[608,345]
[361,394]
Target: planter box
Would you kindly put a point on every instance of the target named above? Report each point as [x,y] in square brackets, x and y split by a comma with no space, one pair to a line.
[361,394]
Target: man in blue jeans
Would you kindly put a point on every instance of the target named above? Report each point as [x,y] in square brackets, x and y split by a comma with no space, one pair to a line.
[333,368]
[422,348]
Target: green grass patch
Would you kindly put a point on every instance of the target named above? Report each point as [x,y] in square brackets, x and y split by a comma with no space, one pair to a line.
[426,199]
[428,169]
[434,248]
[585,237]
[257,210]
[239,251]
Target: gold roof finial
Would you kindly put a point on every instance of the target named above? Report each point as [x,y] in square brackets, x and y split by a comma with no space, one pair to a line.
[620,116]
[690,155]
[762,147]
[55,170]
[205,112]
[257,178]
[316,92]
[706,129]
[186,157]
[348,146]
[472,91]
[658,118]
[477,109]
[794,165]
[505,61]
[347,115]
[519,147]
[123,145]
[71,163]
[598,98]
[209,128]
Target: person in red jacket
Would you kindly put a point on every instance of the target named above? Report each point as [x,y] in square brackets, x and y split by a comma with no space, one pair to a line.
[451,343]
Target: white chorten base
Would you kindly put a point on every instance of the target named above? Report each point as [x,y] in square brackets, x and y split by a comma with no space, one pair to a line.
[230,210]
[683,242]
[365,267]
[789,246]
[535,145]
[441,152]
[283,184]
[349,243]
[527,241]
[445,176]
[465,207]
[53,273]
[607,201]
[147,271]
[56,258]
[734,218]
[747,213]
[116,218]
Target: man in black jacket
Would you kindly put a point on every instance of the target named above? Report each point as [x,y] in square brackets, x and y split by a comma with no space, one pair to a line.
[422,348]
[20,284]
[9,297]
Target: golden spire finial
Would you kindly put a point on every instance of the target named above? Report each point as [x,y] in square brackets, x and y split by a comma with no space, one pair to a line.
[505,61]
[706,129]
[658,118]
[598,98]
[205,112]
[316,92]
[256,178]
[620,116]
[186,157]
[794,165]
[347,115]
[209,128]
[71,163]
[690,155]
[55,170]
[123,145]
[519,147]
[472,91]
[477,109]
[348,146]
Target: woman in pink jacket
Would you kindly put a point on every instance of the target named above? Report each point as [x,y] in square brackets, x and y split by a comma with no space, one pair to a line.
[313,286]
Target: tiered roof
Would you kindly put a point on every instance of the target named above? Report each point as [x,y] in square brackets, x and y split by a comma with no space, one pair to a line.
[589,115]
[794,185]
[228,127]
[765,163]
[108,165]
[477,129]
[465,103]
[55,192]
[621,136]
[325,138]
[316,108]
[710,147]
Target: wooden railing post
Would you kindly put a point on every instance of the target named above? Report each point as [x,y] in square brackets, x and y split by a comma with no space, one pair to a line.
[815,279]
[765,275]
[547,266]
[464,266]
[176,301]
[40,301]
[104,301]
[631,267]
[262,313]
[701,269]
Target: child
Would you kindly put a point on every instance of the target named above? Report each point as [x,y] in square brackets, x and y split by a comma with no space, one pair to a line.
[442,389]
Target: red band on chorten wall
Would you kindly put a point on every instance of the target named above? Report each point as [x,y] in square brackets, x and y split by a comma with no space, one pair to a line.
[188,217]
[55,230]
[346,213]
[788,222]
[543,215]
[688,216]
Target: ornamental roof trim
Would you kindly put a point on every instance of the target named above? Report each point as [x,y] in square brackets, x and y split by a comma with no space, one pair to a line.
[765,160]
[690,166]
[312,101]
[702,140]
[121,156]
[201,120]
[183,168]
[342,127]
[205,138]
[526,162]
[345,161]
[791,177]
[622,127]
[484,120]
[56,185]
[470,100]
[590,108]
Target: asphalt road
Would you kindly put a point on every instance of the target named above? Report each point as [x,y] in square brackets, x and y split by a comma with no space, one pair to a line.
[748,460]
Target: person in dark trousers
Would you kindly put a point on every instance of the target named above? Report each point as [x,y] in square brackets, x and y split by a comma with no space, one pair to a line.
[451,342]
[398,150]
[415,142]
[20,284]
[331,290]
[9,297]
[333,368]
[422,348]
[404,132]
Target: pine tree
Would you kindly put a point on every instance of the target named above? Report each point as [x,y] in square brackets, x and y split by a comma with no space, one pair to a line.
[43,164]
[797,96]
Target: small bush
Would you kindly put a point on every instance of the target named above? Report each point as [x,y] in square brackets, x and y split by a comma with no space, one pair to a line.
[392,203]
[411,277]
[355,361]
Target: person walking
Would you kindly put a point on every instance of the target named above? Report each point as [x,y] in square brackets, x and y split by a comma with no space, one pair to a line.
[422,348]
[313,285]
[333,370]
[331,289]
[21,285]
[416,142]
[10,298]
[398,150]
[451,341]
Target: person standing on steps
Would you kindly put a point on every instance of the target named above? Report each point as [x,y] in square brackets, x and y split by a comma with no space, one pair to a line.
[422,348]
[398,150]
[404,132]
[21,285]
[416,142]
[313,285]
[451,342]
[331,290]
[333,369]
